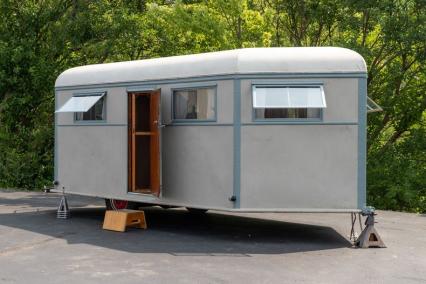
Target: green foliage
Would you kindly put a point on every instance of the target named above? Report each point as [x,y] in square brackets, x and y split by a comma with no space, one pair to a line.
[396,173]
[40,39]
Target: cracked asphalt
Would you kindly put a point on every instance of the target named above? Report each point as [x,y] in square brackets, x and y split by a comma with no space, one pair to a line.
[179,247]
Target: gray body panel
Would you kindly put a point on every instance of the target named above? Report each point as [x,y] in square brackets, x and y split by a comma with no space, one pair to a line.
[302,166]
[87,163]
[199,172]
[307,166]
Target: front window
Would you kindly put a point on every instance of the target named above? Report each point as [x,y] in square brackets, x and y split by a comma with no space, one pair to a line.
[194,104]
[288,102]
[88,107]
[96,112]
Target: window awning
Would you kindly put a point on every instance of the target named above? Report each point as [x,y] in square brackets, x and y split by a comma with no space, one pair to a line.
[80,103]
[372,106]
[289,97]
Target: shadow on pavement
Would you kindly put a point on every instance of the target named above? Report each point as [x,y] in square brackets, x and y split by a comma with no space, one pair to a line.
[41,200]
[177,232]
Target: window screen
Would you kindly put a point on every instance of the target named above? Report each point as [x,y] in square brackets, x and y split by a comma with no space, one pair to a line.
[194,104]
[294,102]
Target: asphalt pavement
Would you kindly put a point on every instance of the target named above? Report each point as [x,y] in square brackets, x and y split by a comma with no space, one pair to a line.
[179,247]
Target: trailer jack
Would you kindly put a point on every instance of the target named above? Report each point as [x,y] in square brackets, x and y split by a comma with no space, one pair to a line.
[63,211]
[369,237]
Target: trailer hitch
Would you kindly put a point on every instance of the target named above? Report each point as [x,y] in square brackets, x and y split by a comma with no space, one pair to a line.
[46,189]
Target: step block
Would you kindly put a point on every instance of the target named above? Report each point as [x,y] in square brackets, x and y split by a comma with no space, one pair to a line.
[119,220]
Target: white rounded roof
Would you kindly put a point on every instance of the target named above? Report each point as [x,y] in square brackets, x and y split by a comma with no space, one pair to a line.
[239,61]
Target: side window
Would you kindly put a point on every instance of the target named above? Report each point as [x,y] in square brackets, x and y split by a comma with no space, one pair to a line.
[96,112]
[194,104]
[288,102]
[86,107]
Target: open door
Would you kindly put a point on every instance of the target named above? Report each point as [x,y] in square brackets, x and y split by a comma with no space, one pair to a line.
[144,142]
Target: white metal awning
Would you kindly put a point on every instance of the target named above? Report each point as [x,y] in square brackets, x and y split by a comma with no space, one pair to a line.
[80,103]
[372,106]
[289,97]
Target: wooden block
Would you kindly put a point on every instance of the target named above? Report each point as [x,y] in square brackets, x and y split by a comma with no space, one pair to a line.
[118,220]
[136,219]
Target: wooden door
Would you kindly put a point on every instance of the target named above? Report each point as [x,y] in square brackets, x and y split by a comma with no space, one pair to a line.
[144,142]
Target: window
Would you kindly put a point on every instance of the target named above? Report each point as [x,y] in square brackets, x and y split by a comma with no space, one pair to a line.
[86,107]
[372,106]
[288,102]
[96,112]
[194,104]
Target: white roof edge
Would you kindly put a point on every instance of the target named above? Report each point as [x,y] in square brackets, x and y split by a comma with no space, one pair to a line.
[237,61]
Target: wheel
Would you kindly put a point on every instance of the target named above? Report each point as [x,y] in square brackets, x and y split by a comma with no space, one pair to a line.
[196,210]
[168,206]
[115,204]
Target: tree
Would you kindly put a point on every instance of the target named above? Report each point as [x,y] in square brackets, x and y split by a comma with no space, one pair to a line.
[40,39]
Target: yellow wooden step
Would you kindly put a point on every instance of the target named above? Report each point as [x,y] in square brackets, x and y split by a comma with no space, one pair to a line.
[118,220]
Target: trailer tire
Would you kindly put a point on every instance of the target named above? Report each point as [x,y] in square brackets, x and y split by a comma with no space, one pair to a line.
[196,211]
[115,204]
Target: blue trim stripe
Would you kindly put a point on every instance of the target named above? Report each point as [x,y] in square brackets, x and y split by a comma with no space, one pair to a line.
[55,150]
[216,78]
[91,123]
[299,122]
[198,124]
[203,84]
[362,142]
[143,88]
[202,123]
[237,142]
[166,125]
[285,83]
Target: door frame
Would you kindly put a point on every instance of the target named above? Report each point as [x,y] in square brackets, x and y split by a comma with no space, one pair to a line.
[155,123]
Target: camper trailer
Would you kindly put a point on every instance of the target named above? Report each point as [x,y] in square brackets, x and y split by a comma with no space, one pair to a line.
[247,130]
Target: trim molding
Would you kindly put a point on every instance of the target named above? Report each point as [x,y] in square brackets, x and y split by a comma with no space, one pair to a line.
[156,201]
[198,124]
[91,124]
[257,123]
[55,143]
[285,83]
[362,143]
[143,88]
[307,122]
[273,75]
[237,143]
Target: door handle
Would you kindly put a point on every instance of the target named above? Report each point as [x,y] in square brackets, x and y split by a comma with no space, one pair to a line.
[159,125]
